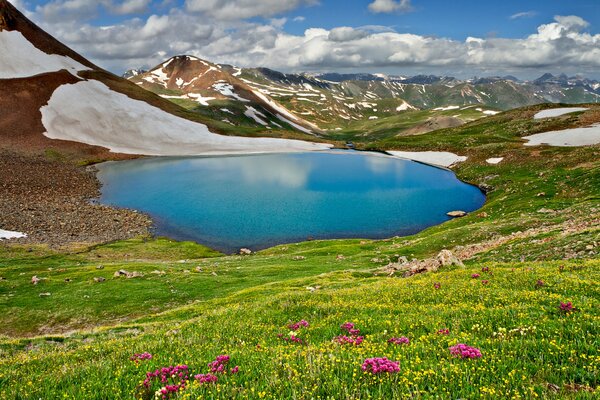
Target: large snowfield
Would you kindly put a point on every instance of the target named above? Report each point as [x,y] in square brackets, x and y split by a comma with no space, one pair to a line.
[437,158]
[89,112]
[21,59]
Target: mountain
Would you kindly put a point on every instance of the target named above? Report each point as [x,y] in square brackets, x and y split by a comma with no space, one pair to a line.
[53,98]
[193,83]
[332,102]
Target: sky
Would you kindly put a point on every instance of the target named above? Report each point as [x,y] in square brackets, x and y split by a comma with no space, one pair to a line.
[462,38]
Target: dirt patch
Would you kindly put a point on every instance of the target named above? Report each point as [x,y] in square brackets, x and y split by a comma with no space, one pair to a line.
[434,124]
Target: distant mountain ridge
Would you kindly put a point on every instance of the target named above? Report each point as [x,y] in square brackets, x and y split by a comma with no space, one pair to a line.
[332,101]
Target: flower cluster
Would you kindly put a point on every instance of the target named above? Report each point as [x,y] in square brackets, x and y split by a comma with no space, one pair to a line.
[172,379]
[485,282]
[206,378]
[463,351]
[140,357]
[298,325]
[220,365]
[475,276]
[485,269]
[399,340]
[444,331]
[380,365]
[566,307]
[350,328]
[437,285]
[343,339]
[504,333]
[354,333]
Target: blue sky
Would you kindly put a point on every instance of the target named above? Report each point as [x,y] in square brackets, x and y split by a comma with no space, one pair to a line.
[257,32]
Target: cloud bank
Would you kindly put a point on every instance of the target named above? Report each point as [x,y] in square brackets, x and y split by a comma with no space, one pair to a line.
[219,30]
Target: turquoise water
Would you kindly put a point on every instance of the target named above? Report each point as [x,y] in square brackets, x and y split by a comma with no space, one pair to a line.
[257,201]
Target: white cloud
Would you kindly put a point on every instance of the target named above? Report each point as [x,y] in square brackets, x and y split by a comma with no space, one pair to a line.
[562,45]
[390,6]
[60,11]
[524,14]
[129,6]
[242,9]
[299,18]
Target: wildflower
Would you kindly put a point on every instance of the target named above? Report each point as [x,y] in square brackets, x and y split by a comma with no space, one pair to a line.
[350,328]
[140,357]
[539,283]
[298,325]
[380,365]
[206,378]
[291,338]
[172,379]
[234,370]
[399,340]
[485,269]
[437,285]
[219,365]
[485,282]
[475,276]
[566,307]
[354,340]
[444,331]
[463,351]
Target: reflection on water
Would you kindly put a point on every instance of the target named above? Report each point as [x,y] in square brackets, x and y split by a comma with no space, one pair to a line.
[261,200]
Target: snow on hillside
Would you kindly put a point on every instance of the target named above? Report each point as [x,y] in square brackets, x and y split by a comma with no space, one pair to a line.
[567,138]
[557,112]
[11,235]
[21,59]
[437,158]
[91,113]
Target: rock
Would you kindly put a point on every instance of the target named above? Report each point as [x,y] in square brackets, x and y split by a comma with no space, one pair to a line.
[483,214]
[121,273]
[213,273]
[100,267]
[340,257]
[199,269]
[456,214]
[157,272]
[135,274]
[541,194]
[67,280]
[35,280]
[46,294]
[298,258]
[447,259]
[486,187]
[245,252]
[99,279]
[545,211]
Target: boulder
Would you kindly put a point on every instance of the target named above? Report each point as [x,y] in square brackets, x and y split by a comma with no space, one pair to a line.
[245,252]
[35,280]
[99,279]
[446,259]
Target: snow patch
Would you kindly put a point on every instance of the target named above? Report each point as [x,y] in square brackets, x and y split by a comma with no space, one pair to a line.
[253,113]
[200,99]
[20,58]
[437,158]
[557,112]
[495,160]
[227,90]
[89,112]
[446,108]
[11,235]
[567,138]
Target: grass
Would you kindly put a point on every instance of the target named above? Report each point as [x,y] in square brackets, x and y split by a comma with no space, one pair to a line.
[540,222]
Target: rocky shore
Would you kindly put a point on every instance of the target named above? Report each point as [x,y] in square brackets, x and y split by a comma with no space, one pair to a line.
[52,202]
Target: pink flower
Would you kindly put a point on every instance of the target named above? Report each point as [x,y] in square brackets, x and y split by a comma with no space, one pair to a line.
[540,283]
[141,357]
[291,339]
[354,340]
[172,379]
[566,307]
[485,269]
[437,285]
[475,276]
[463,351]
[219,365]
[298,325]
[379,365]
[206,378]
[399,340]
[485,282]
[444,331]
[234,370]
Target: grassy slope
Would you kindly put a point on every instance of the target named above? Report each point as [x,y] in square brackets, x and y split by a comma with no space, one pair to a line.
[234,303]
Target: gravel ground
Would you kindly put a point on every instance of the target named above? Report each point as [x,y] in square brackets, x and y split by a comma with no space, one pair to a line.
[51,201]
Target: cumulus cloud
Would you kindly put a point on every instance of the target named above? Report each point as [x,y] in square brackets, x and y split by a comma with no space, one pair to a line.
[242,9]
[390,6]
[60,11]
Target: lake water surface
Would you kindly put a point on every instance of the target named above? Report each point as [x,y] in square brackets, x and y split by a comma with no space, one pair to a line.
[257,201]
